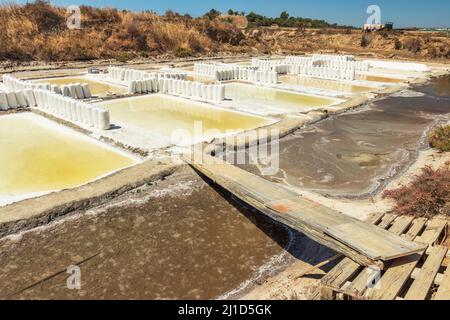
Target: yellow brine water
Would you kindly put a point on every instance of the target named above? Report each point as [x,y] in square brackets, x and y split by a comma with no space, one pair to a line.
[378,79]
[324,84]
[38,155]
[167,115]
[284,101]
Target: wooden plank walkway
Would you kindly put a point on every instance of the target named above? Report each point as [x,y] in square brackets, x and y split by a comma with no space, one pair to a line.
[362,242]
[416,277]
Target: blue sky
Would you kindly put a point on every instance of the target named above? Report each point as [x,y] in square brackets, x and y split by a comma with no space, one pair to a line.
[404,13]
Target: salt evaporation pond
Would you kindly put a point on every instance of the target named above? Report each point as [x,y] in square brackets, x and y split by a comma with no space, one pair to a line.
[324,84]
[277,101]
[97,88]
[38,155]
[354,154]
[170,116]
[178,239]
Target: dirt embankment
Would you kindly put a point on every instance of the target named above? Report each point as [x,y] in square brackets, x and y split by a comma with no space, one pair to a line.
[38,32]
[413,45]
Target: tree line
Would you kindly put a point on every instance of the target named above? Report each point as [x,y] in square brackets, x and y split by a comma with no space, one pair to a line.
[284,20]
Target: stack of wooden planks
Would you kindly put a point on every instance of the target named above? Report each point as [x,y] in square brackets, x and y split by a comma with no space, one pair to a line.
[421,276]
[362,242]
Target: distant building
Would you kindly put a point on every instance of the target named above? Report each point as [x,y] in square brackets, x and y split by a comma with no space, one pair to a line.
[389,25]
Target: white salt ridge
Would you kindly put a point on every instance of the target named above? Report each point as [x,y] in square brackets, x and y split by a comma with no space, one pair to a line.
[407,94]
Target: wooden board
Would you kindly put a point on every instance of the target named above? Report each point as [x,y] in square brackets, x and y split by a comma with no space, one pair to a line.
[420,287]
[344,270]
[433,230]
[395,278]
[365,282]
[362,242]
[417,226]
[443,292]
[400,270]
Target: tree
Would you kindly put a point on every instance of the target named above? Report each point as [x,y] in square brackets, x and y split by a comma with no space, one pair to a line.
[284,15]
[212,14]
[230,12]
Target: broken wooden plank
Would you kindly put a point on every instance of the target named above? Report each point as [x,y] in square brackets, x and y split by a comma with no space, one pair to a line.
[437,280]
[373,242]
[358,240]
[386,221]
[443,292]
[366,280]
[433,230]
[395,277]
[375,218]
[402,269]
[416,226]
[339,275]
[345,269]
[421,286]
[401,224]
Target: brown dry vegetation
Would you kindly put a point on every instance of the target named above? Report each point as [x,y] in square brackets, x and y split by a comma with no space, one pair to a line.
[388,44]
[38,31]
[428,195]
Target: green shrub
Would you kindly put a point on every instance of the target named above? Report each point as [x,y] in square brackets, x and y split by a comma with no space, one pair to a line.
[413,44]
[365,40]
[183,52]
[123,57]
[398,44]
[440,138]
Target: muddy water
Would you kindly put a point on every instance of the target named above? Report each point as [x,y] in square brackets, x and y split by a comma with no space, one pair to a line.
[97,88]
[353,154]
[179,239]
[38,155]
[167,115]
[281,101]
[324,84]
[439,89]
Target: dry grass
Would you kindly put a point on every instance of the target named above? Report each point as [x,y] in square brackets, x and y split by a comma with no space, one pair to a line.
[38,31]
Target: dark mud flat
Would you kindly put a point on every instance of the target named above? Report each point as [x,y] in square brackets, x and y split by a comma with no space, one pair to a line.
[354,154]
[179,239]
